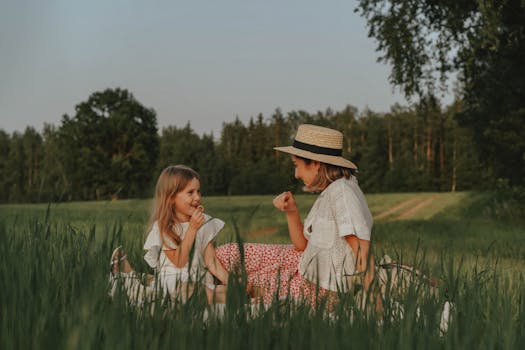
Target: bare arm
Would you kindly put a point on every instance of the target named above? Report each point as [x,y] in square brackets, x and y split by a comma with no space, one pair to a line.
[286,202]
[180,256]
[364,259]
[295,229]
[214,265]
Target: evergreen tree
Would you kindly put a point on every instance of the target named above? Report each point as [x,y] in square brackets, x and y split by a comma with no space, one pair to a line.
[55,180]
[5,143]
[32,156]
[374,161]
[15,177]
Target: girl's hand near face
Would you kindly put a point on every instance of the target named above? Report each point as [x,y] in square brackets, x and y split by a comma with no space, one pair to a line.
[285,202]
[180,256]
[197,219]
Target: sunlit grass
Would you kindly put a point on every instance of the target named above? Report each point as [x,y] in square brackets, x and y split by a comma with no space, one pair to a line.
[54,265]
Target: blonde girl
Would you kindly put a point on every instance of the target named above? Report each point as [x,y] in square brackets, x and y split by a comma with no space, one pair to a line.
[177,225]
[179,245]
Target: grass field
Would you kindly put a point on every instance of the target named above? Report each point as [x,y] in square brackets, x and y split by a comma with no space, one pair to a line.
[54,263]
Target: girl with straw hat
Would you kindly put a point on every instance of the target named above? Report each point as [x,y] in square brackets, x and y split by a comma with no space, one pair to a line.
[331,244]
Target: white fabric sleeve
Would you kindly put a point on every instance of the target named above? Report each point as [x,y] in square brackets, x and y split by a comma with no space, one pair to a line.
[208,232]
[350,212]
[153,245]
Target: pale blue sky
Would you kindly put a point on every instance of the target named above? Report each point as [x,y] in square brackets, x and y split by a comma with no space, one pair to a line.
[200,61]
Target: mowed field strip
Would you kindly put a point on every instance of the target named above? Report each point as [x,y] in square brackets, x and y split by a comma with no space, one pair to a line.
[421,206]
[395,208]
[410,208]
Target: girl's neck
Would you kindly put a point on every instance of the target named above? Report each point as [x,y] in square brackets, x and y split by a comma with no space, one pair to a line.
[180,218]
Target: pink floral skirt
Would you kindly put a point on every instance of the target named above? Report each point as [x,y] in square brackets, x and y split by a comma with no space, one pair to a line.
[274,268]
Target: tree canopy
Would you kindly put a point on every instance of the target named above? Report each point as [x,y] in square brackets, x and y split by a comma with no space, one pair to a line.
[482,43]
[112,146]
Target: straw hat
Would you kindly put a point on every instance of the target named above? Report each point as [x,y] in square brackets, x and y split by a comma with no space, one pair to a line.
[318,143]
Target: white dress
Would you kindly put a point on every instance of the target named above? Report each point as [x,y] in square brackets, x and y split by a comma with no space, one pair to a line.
[339,211]
[170,276]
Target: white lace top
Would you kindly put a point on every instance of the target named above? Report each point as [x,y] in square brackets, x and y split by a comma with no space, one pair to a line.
[340,210]
[156,258]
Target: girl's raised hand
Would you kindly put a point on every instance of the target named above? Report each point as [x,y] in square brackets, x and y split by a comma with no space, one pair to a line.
[285,202]
[197,218]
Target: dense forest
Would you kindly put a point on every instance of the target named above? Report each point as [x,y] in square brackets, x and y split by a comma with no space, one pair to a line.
[112,148]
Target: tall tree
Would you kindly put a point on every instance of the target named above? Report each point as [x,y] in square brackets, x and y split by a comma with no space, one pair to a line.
[179,146]
[212,168]
[184,146]
[345,121]
[483,42]
[33,156]
[258,139]
[114,141]
[373,165]
[280,132]
[55,183]
[5,143]
[15,179]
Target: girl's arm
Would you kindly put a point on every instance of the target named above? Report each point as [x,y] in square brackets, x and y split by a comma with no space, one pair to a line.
[364,259]
[285,202]
[214,265]
[180,256]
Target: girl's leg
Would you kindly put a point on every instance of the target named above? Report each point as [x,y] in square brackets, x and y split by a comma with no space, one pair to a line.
[122,273]
[214,266]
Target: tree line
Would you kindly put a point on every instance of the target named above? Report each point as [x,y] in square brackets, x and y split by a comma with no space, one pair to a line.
[112,148]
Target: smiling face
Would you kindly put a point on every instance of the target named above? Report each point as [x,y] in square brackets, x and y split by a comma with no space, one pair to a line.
[305,172]
[187,200]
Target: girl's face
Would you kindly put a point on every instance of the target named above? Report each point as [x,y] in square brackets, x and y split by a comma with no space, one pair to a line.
[305,172]
[187,200]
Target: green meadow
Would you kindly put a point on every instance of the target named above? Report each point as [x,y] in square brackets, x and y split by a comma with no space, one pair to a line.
[55,262]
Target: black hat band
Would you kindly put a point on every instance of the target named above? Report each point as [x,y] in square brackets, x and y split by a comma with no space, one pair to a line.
[317,149]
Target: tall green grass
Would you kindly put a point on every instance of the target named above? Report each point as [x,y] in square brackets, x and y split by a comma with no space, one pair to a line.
[54,268]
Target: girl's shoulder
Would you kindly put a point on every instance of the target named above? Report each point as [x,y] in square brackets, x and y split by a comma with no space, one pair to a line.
[153,239]
[154,226]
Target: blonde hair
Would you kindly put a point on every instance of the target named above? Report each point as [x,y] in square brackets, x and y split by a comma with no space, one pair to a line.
[172,180]
[327,174]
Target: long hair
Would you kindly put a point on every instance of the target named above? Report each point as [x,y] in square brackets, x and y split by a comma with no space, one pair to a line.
[172,180]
